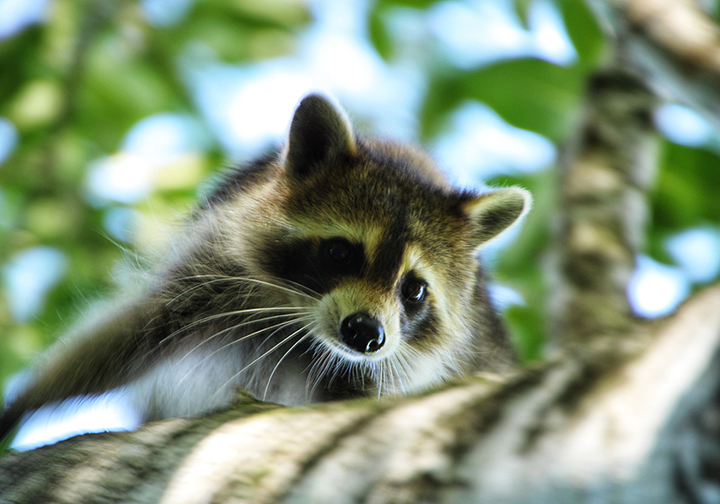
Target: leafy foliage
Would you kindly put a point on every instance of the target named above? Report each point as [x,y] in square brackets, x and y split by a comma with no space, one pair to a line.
[75,85]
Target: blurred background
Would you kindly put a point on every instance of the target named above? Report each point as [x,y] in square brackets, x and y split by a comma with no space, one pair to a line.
[115,116]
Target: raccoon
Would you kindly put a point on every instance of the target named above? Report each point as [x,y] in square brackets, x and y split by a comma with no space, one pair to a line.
[338,267]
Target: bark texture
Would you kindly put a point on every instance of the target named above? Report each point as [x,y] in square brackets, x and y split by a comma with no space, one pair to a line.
[604,177]
[623,420]
[673,45]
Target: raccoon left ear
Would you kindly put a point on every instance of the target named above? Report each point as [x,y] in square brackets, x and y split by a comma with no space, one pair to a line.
[496,211]
[319,131]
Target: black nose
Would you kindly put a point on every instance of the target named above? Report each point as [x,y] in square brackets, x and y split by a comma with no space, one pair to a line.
[362,333]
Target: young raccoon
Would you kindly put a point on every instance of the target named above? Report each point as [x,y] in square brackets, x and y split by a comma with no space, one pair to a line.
[340,267]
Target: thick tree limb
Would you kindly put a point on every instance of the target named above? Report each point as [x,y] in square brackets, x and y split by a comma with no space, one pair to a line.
[607,422]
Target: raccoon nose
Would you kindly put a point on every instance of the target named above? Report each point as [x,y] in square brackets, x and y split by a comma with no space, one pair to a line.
[362,333]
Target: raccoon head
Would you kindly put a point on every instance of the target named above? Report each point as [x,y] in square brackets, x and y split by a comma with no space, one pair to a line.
[381,253]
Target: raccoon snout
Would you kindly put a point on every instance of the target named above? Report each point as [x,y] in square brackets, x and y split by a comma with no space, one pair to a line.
[362,333]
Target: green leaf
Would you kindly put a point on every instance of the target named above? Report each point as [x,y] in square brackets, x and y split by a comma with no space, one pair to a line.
[521,9]
[686,190]
[379,36]
[584,31]
[528,93]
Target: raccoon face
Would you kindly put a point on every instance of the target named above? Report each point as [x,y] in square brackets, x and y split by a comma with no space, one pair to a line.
[370,250]
[380,251]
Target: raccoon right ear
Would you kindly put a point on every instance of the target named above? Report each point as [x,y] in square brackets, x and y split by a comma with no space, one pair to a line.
[318,132]
[494,212]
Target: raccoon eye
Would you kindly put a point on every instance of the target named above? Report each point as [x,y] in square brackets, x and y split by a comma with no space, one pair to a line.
[339,251]
[413,291]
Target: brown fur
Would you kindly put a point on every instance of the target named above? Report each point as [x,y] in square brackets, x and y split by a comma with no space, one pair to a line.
[265,287]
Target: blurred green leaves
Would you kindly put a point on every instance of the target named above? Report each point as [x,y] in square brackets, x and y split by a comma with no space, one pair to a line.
[75,85]
[545,107]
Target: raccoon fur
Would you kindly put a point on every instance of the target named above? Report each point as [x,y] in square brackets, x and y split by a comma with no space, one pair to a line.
[339,267]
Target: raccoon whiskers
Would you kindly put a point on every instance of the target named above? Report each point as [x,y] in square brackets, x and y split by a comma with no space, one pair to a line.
[402,372]
[382,370]
[274,327]
[406,356]
[283,341]
[277,365]
[205,283]
[287,286]
[292,309]
[290,288]
[395,373]
[330,364]
[321,362]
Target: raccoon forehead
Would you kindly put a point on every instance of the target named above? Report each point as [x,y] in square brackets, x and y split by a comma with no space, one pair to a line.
[330,226]
[407,160]
[365,207]
[377,178]
[433,263]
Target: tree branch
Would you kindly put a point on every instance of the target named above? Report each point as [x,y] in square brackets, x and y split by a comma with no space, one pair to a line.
[604,176]
[604,423]
[673,45]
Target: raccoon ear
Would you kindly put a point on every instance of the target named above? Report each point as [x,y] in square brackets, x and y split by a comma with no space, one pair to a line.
[496,211]
[319,131]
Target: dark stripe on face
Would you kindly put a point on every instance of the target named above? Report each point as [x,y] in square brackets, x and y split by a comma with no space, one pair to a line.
[421,326]
[314,263]
[388,255]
